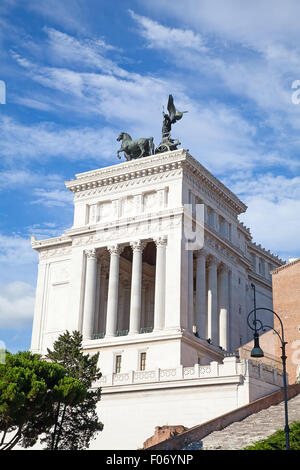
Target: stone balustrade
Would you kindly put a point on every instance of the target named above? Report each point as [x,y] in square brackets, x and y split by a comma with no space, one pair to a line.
[229,368]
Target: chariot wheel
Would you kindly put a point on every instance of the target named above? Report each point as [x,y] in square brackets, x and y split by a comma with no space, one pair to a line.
[162,148]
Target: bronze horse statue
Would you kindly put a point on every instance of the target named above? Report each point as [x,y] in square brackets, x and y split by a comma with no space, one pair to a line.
[135,148]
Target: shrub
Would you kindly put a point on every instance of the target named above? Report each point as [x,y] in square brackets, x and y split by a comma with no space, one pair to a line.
[277,440]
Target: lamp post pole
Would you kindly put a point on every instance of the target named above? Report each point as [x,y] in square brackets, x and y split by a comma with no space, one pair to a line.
[256,325]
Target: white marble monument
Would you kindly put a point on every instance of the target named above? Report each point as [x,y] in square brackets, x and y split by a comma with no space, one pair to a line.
[166,311]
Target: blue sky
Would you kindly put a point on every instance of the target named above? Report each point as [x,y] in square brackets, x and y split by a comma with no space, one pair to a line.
[77,72]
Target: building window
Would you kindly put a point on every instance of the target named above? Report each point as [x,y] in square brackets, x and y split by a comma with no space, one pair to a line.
[143,361]
[222,226]
[118,364]
[229,232]
[261,267]
[210,217]
[271,267]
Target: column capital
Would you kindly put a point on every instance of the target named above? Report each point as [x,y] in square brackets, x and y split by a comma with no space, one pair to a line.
[224,268]
[138,245]
[115,249]
[92,254]
[212,260]
[161,241]
[202,253]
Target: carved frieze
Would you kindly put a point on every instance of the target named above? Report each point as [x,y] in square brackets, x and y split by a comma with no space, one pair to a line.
[55,253]
[129,230]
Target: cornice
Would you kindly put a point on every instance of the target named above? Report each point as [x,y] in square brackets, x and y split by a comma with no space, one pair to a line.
[126,171]
[172,384]
[258,248]
[260,279]
[215,185]
[50,242]
[145,168]
[244,229]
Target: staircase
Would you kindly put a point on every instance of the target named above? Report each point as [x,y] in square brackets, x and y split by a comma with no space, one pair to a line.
[256,427]
[240,427]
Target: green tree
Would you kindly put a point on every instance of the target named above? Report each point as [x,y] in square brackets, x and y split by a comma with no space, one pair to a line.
[30,391]
[277,440]
[79,424]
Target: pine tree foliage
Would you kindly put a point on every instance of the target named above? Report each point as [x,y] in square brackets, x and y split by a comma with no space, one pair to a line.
[76,425]
[30,391]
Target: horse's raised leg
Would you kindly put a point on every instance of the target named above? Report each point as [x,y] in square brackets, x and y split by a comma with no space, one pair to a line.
[142,149]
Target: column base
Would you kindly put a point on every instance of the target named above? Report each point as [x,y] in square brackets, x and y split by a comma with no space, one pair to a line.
[157,330]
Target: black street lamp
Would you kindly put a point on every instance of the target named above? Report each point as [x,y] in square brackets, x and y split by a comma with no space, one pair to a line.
[256,325]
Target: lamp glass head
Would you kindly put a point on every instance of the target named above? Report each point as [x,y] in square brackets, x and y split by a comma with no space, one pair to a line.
[256,351]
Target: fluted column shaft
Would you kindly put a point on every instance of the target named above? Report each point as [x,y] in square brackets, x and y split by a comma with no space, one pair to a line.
[113,290]
[90,294]
[190,291]
[120,322]
[102,311]
[97,304]
[224,302]
[212,302]
[136,288]
[160,283]
[201,294]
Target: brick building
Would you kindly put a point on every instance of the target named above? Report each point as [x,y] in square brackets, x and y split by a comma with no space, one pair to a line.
[286,302]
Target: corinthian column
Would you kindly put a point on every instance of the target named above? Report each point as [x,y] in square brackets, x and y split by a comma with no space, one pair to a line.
[201,294]
[212,302]
[102,295]
[113,290]
[136,287]
[160,283]
[190,290]
[89,294]
[224,297]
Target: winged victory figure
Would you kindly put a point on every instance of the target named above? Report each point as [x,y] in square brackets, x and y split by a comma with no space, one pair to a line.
[168,119]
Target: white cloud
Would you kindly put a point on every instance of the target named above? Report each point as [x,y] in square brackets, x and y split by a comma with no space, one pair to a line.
[16,251]
[163,37]
[251,52]
[45,230]
[71,14]
[268,186]
[274,224]
[48,140]
[220,129]
[52,198]
[18,261]
[66,49]
[16,305]
[9,178]
[273,204]
[254,24]
[33,103]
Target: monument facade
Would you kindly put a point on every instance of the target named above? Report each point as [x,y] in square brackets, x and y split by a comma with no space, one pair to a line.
[155,272]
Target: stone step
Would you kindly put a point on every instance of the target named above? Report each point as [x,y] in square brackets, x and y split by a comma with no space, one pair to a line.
[256,427]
